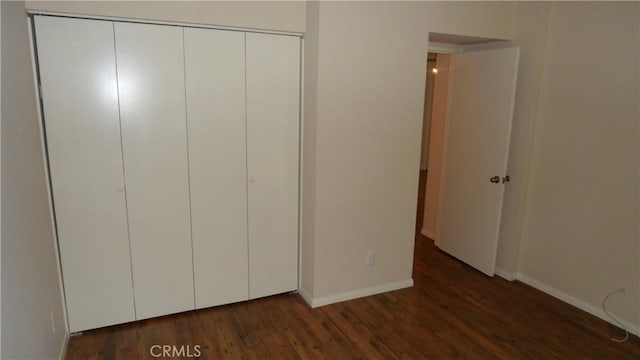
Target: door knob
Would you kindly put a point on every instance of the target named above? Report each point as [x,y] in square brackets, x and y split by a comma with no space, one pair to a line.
[495,179]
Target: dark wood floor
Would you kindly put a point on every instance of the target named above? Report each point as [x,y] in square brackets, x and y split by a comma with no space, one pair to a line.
[452,311]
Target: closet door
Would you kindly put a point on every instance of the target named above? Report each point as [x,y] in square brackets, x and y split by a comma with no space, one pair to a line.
[152,107]
[215,69]
[80,97]
[273,97]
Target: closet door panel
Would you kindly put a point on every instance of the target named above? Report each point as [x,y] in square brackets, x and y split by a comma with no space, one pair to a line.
[215,69]
[80,97]
[152,106]
[273,86]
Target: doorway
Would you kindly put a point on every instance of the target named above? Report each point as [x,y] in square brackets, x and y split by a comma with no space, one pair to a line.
[465,139]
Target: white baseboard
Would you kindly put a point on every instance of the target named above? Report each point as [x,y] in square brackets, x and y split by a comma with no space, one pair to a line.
[306,296]
[358,293]
[428,234]
[63,348]
[507,275]
[580,304]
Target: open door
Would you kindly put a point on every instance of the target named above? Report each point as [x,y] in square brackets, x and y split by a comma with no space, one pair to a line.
[478,128]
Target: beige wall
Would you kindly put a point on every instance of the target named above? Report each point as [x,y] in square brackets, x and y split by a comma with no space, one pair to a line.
[271,15]
[530,23]
[370,86]
[30,283]
[581,227]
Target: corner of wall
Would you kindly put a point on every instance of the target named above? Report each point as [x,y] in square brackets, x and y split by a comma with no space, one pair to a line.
[308,163]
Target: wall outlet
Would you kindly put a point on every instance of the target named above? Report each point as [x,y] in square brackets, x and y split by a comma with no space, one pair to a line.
[53,322]
[370,259]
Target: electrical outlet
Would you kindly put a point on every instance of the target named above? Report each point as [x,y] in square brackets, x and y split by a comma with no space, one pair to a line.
[370,259]
[53,322]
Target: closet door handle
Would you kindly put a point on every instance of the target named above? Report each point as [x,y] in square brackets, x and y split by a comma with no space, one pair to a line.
[495,179]
[251,179]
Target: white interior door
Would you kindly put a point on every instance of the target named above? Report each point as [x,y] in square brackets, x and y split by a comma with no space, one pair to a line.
[215,78]
[154,138]
[480,110]
[273,124]
[80,97]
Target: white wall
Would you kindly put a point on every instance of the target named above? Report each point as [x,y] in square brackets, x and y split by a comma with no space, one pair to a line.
[30,283]
[370,86]
[272,15]
[580,233]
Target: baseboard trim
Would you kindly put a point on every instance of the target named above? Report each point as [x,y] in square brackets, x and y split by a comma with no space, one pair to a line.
[507,275]
[358,293]
[63,349]
[428,234]
[580,304]
[306,296]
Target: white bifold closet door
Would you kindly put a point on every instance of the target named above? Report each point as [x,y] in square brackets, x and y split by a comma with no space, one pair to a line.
[80,97]
[154,137]
[273,98]
[215,74]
